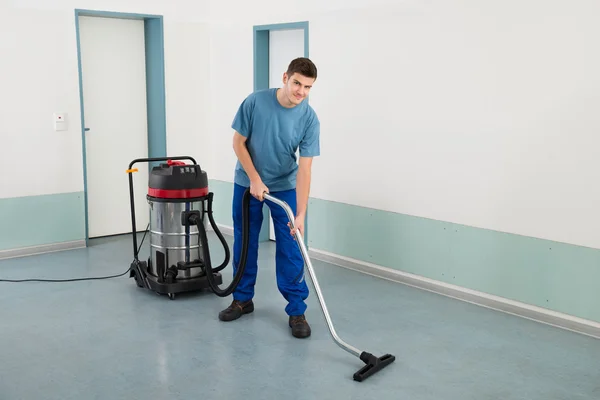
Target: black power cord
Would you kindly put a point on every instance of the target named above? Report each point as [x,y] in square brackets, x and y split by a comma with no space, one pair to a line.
[76,279]
[63,280]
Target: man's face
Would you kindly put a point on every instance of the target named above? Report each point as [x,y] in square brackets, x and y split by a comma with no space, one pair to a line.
[297,87]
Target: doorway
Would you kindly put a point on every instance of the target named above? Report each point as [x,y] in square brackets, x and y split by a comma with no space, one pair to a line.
[122,101]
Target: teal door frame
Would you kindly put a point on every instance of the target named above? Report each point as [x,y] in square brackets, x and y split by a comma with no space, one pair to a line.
[261,81]
[155,87]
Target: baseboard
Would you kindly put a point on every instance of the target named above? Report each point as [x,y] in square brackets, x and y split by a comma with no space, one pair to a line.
[42,249]
[563,321]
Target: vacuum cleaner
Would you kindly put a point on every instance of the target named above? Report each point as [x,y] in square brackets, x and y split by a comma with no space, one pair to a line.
[179,261]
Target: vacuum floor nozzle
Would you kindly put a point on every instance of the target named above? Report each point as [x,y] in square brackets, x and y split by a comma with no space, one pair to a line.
[374,365]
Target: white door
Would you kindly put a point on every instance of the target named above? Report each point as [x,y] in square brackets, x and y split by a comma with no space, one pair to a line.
[284,46]
[114,96]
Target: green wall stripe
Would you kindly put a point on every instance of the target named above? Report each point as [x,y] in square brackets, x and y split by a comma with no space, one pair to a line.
[547,274]
[39,220]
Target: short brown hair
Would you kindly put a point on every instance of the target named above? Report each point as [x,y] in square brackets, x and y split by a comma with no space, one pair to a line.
[302,66]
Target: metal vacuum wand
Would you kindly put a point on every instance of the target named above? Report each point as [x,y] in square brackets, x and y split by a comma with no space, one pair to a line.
[373,363]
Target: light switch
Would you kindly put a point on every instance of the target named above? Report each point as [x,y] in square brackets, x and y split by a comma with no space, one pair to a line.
[60,121]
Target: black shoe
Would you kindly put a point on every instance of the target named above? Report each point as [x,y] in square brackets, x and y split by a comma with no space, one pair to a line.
[300,327]
[236,310]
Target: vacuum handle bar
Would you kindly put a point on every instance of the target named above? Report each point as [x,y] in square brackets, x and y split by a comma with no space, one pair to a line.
[313,277]
[152,159]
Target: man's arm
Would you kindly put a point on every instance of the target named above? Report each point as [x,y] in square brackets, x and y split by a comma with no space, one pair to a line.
[309,148]
[241,151]
[257,187]
[303,186]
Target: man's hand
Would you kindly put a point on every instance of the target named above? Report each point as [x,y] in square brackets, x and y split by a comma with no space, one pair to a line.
[298,226]
[258,189]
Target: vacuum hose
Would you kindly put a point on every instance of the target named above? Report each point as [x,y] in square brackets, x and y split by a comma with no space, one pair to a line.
[206,252]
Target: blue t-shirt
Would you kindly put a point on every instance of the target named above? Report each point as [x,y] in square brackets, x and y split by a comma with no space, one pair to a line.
[274,134]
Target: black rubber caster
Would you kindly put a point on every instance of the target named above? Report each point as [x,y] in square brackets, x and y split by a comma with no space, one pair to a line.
[172,296]
[138,281]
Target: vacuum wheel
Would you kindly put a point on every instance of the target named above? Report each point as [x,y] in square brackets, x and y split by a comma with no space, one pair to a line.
[138,279]
[172,296]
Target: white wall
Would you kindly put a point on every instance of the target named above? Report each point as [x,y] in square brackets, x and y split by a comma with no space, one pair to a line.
[231,79]
[40,77]
[480,113]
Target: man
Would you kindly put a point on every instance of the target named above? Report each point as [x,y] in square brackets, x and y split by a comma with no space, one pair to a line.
[269,127]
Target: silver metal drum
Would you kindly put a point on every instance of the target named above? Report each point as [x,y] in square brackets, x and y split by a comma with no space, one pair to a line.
[172,241]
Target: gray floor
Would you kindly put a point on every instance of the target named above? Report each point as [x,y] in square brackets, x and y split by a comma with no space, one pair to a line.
[109,339]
